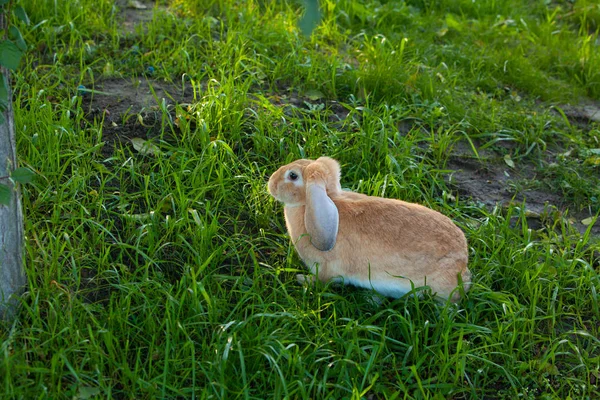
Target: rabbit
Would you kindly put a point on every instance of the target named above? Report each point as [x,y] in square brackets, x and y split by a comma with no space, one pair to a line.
[388,245]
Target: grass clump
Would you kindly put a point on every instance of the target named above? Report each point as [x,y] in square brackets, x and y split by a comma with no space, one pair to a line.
[167,273]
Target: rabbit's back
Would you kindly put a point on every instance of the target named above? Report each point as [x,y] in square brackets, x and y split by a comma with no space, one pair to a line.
[388,245]
[395,225]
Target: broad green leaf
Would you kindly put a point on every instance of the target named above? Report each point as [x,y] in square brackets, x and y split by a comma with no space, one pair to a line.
[5,194]
[593,160]
[453,23]
[314,94]
[136,5]
[145,147]
[3,93]
[22,14]
[509,161]
[15,33]
[100,168]
[22,175]
[3,2]
[311,16]
[87,392]
[10,55]
[588,221]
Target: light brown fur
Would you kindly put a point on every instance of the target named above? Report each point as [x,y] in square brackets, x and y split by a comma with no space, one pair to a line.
[378,240]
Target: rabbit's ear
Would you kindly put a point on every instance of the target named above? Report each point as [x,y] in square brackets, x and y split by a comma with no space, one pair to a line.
[320,216]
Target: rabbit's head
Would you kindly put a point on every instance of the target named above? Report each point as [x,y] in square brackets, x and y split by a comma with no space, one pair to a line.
[288,184]
[311,184]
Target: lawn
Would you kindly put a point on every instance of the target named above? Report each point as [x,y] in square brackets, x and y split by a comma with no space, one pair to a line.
[159,266]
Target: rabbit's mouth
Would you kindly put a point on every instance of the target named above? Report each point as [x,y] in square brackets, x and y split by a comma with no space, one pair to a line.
[287,202]
[285,198]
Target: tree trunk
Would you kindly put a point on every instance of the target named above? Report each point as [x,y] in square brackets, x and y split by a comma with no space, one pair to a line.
[12,273]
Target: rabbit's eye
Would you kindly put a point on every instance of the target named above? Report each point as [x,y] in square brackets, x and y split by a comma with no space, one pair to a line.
[293,176]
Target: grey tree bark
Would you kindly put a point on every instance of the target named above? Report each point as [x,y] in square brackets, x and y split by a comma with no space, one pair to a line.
[12,272]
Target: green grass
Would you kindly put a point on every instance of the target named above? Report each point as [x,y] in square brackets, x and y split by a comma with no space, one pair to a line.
[171,276]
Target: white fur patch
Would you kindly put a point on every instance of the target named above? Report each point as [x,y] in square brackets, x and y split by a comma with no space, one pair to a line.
[393,287]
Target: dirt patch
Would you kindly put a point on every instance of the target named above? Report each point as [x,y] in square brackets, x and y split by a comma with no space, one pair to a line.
[116,98]
[136,13]
[494,183]
[583,113]
[294,103]
[131,108]
[491,184]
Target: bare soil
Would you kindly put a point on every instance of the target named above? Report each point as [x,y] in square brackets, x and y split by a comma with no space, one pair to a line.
[491,182]
[583,113]
[134,13]
[129,108]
